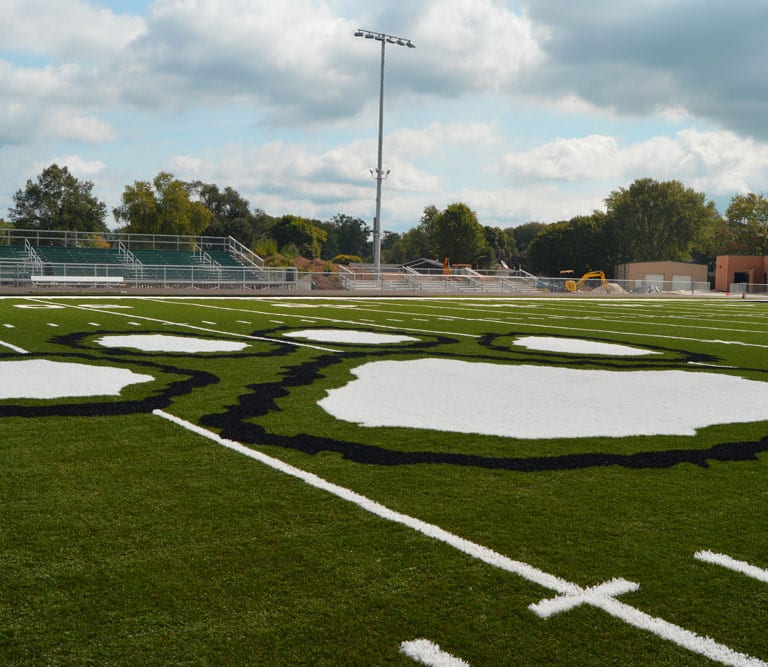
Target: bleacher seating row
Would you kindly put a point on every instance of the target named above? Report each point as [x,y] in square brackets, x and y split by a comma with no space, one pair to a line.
[146,265]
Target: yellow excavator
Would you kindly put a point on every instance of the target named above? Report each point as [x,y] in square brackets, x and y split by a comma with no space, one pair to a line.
[575,285]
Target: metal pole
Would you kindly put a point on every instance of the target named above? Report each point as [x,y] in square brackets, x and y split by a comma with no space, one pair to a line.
[379,174]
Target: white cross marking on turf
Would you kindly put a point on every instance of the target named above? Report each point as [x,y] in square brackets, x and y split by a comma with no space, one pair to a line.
[594,595]
[605,601]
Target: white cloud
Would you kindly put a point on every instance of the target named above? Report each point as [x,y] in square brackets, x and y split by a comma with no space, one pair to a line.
[475,44]
[437,136]
[281,177]
[78,166]
[716,161]
[72,30]
[564,159]
[656,58]
[533,113]
[68,124]
[532,201]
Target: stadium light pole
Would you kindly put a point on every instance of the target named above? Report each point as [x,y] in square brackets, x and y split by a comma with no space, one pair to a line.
[378,174]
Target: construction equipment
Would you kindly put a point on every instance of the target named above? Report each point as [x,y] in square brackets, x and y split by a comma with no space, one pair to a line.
[575,285]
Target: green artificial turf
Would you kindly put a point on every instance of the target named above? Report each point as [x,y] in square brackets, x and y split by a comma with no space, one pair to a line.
[126,539]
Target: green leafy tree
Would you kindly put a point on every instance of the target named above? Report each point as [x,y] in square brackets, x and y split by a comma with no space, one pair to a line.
[653,221]
[525,233]
[58,200]
[346,236]
[162,207]
[392,248]
[299,236]
[578,245]
[458,235]
[501,245]
[231,214]
[412,244]
[744,231]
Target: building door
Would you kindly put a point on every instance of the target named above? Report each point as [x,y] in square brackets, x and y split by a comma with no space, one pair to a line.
[681,283]
[655,280]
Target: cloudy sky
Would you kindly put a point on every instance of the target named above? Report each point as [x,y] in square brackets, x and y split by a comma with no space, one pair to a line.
[523,109]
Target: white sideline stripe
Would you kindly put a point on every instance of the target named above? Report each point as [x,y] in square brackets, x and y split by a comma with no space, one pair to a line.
[732,564]
[194,328]
[430,654]
[595,596]
[13,347]
[475,550]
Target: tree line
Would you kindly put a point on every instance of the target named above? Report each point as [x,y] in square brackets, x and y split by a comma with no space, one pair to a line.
[646,221]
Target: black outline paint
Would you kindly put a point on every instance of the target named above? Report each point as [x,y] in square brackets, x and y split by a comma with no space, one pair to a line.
[234,423]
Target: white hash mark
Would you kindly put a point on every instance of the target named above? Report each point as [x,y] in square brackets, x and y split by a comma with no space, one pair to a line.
[430,654]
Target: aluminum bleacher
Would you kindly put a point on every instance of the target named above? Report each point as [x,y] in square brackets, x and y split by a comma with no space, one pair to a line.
[57,258]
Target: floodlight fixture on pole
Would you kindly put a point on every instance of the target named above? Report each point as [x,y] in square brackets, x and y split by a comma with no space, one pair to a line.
[378,174]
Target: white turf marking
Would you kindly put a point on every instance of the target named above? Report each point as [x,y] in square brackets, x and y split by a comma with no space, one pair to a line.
[164,343]
[395,393]
[10,346]
[212,331]
[578,346]
[567,601]
[597,596]
[349,336]
[43,379]
[430,654]
[336,320]
[243,322]
[9,326]
[52,324]
[732,564]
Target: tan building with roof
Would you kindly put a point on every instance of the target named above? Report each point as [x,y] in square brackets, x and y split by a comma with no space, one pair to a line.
[667,276]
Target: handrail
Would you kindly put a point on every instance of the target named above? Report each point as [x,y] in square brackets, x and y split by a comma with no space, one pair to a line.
[37,261]
[237,249]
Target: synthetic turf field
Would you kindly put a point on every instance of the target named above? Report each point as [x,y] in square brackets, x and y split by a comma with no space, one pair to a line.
[218,515]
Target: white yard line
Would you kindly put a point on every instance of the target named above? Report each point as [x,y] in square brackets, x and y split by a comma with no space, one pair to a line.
[525,321]
[732,564]
[332,320]
[217,332]
[570,594]
[12,347]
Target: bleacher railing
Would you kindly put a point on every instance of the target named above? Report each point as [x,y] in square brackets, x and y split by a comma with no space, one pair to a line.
[201,276]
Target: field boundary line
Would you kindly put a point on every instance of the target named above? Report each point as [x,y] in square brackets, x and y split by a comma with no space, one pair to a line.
[569,593]
[185,325]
